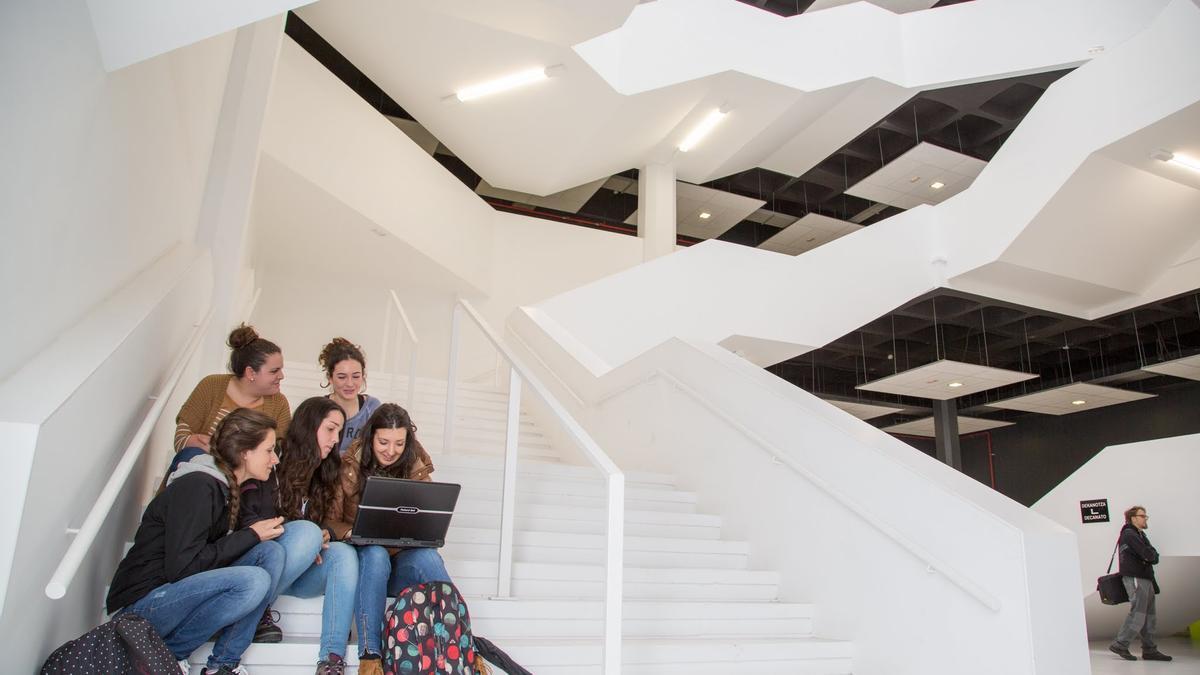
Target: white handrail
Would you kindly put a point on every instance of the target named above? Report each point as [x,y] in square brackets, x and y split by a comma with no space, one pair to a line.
[932,562]
[615,538]
[73,558]
[411,395]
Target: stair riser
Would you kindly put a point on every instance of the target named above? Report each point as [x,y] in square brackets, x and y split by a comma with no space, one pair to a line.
[542,588]
[564,512]
[500,628]
[586,527]
[574,483]
[597,542]
[569,556]
[527,497]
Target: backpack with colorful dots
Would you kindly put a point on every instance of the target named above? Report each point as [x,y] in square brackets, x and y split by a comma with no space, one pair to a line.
[427,631]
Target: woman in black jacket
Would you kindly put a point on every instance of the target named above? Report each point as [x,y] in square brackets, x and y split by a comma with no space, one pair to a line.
[190,573]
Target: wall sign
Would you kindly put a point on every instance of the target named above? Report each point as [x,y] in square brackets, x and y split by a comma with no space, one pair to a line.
[1094,511]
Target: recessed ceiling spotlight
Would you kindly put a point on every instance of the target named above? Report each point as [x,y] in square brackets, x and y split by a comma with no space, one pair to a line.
[702,129]
[1078,401]
[1176,158]
[937,185]
[518,79]
[914,179]
[955,385]
[705,215]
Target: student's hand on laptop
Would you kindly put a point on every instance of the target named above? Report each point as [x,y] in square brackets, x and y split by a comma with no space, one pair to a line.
[268,529]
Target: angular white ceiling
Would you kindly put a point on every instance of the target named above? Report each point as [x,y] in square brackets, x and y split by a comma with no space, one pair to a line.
[633,87]
[723,209]
[945,379]
[909,180]
[808,233]
[1188,367]
[864,411]
[1071,398]
[966,425]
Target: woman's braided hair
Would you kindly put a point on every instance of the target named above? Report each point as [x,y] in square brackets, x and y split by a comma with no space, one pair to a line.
[241,430]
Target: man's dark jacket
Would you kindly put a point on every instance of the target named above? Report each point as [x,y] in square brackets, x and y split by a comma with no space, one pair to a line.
[1138,557]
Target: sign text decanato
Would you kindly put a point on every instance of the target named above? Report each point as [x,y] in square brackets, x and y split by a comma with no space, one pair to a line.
[1094,511]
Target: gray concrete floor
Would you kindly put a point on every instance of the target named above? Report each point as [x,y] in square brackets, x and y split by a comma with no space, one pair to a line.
[1185,651]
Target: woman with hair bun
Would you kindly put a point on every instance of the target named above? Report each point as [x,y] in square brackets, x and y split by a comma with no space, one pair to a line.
[191,571]
[345,367]
[256,369]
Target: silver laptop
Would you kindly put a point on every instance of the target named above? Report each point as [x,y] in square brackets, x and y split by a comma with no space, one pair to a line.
[402,513]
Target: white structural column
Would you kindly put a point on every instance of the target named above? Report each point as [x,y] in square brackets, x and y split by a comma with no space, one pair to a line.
[656,210]
[225,211]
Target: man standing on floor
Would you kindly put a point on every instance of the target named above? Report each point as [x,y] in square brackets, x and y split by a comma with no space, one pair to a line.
[1138,559]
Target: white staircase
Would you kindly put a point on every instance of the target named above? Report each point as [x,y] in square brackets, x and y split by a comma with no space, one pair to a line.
[692,603]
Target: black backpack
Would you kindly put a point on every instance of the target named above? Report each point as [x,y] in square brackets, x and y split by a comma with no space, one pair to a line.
[126,643]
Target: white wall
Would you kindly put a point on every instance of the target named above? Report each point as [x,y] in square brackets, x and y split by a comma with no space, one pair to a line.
[1160,476]
[68,414]
[103,172]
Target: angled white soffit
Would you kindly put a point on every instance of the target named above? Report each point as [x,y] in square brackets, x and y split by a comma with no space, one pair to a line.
[629,96]
[863,411]
[1188,367]
[953,244]
[808,233]
[1071,398]
[909,180]
[897,6]
[129,31]
[966,425]
[724,210]
[945,379]
[569,201]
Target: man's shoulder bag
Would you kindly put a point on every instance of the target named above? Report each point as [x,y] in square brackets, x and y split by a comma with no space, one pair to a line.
[1110,586]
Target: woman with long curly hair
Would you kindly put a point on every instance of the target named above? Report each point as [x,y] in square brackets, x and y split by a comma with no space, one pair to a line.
[303,490]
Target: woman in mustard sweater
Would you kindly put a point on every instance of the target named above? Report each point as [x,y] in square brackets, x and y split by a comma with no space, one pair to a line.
[256,369]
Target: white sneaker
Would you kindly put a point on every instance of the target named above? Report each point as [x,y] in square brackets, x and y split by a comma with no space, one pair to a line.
[185,666]
[239,670]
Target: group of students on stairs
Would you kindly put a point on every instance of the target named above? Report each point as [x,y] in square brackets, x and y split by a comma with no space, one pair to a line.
[258,502]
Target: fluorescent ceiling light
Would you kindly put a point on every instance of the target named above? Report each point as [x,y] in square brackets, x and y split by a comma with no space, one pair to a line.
[955,384]
[502,84]
[1078,401]
[701,130]
[705,215]
[937,185]
[1175,158]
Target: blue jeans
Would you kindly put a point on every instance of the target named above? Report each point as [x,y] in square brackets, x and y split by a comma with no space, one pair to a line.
[380,576]
[301,542]
[187,612]
[335,578]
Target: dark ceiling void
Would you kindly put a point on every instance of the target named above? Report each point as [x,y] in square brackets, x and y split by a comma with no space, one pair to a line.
[961,327]
[794,7]
[973,119]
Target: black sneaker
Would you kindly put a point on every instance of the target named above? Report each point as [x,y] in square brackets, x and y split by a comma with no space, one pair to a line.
[1122,652]
[267,630]
[334,665]
[227,670]
[1155,656]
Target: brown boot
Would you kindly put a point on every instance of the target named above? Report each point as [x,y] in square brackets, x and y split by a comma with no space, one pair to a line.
[370,666]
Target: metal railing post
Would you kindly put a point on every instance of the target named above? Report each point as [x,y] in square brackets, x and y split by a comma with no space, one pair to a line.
[613,577]
[508,498]
[451,378]
[411,398]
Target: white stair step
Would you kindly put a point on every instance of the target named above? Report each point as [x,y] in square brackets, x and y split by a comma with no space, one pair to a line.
[469,505]
[588,556]
[577,540]
[504,619]
[529,467]
[549,524]
[572,656]
[537,580]
[643,500]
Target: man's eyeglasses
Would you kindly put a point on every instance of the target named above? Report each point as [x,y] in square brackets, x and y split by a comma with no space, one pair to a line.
[1141,515]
